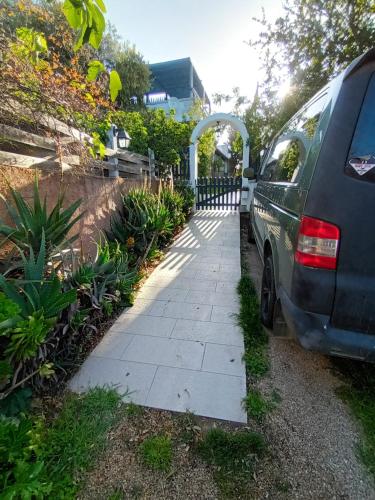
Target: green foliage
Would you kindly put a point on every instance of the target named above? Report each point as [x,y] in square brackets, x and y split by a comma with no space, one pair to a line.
[40,461]
[26,337]
[36,292]
[133,122]
[30,222]
[257,407]
[236,145]
[167,137]
[94,70]
[188,196]
[8,308]
[16,403]
[86,16]
[20,473]
[256,340]
[174,203]
[33,44]
[132,410]
[143,220]
[311,42]
[206,150]
[156,452]
[133,70]
[76,436]
[233,454]
[359,394]
[100,280]
[115,85]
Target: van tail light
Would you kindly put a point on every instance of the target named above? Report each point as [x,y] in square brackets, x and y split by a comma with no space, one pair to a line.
[318,244]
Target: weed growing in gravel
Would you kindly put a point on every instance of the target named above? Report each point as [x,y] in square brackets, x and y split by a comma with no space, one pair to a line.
[189,428]
[256,405]
[233,455]
[360,395]
[156,452]
[77,436]
[133,410]
[256,339]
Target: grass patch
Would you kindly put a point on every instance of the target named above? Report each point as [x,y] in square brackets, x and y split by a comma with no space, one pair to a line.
[233,455]
[256,405]
[132,410]
[156,452]
[76,437]
[359,394]
[256,340]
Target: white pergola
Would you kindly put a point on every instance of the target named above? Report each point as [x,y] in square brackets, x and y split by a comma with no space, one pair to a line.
[213,121]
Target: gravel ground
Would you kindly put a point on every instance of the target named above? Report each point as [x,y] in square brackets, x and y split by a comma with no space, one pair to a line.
[312,435]
[121,469]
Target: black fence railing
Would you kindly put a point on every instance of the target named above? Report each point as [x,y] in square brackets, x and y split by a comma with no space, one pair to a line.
[215,193]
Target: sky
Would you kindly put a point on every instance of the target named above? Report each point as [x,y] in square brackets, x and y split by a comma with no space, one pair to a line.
[211,32]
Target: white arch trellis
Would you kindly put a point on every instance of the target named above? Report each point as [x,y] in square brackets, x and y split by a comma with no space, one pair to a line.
[206,123]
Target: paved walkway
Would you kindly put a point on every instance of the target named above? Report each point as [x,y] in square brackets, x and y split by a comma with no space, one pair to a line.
[179,348]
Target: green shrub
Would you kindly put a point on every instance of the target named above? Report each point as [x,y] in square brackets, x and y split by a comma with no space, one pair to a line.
[40,301]
[31,222]
[8,308]
[106,280]
[188,196]
[22,473]
[174,203]
[141,223]
[156,452]
[26,337]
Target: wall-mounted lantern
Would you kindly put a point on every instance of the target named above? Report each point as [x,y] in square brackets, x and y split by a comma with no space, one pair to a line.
[123,139]
[118,138]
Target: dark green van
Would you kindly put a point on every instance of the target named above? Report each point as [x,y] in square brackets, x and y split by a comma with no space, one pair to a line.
[313,218]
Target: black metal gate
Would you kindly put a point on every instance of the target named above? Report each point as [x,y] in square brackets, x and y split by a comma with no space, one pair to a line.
[218,193]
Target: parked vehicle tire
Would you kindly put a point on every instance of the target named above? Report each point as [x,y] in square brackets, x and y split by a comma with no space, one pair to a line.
[268,293]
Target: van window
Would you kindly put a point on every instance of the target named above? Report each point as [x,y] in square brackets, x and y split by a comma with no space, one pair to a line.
[289,150]
[361,159]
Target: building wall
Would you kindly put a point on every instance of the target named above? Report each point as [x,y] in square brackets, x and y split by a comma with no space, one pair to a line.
[101,198]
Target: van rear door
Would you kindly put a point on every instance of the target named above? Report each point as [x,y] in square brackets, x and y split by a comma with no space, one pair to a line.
[354,303]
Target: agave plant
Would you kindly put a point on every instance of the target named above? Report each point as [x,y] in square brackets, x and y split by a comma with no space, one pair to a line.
[30,221]
[143,220]
[36,291]
[99,280]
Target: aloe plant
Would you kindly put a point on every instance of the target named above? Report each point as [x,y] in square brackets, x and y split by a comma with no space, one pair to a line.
[36,291]
[29,221]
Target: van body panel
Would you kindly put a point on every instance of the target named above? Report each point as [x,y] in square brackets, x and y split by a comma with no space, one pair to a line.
[349,204]
[328,310]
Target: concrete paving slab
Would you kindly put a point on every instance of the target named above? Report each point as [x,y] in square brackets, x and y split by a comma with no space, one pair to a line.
[166,352]
[203,331]
[126,377]
[207,394]
[223,359]
[137,324]
[179,347]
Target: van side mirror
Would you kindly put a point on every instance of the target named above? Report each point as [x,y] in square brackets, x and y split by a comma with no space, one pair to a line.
[249,173]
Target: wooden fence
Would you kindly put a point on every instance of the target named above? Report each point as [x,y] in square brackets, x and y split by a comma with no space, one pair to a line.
[65,150]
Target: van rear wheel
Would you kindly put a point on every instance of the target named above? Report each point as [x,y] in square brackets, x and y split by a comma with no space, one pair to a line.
[268,293]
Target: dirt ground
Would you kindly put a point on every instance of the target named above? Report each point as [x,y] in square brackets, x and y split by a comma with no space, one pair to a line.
[314,439]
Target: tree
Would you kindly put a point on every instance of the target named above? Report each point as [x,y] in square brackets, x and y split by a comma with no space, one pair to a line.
[206,150]
[133,70]
[310,43]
